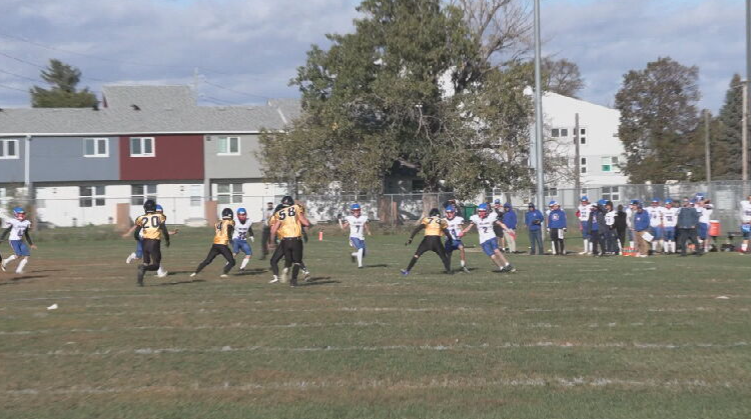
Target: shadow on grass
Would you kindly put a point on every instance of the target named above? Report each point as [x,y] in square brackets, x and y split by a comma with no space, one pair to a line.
[319,280]
[18,279]
[251,272]
[187,281]
[381,265]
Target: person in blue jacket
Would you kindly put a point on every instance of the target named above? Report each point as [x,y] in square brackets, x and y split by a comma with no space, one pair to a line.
[557,227]
[509,219]
[533,220]
[641,226]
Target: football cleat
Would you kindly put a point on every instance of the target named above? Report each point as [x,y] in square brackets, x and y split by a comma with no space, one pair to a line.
[223,276]
[404,272]
[465,270]
[274,280]
[130,258]
[193,275]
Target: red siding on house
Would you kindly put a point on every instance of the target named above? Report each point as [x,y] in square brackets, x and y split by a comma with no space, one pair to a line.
[177,157]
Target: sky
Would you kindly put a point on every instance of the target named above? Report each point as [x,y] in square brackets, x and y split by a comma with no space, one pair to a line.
[246,51]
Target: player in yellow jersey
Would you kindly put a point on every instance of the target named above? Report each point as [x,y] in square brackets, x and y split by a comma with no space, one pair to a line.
[224,229]
[434,226]
[288,223]
[151,228]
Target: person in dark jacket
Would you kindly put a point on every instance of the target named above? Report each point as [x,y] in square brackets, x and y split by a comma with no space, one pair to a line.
[688,221]
[557,227]
[533,220]
[596,228]
[510,221]
[621,224]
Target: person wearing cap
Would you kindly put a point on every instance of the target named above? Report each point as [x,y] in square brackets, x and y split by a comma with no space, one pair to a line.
[669,221]
[557,227]
[640,228]
[533,219]
[510,221]
[358,226]
[705,208]
[688,221]
[655,212]
[485,220]
[455,227]
[596,228]
[611,236]
[498,210]
[582,213]
[242,231]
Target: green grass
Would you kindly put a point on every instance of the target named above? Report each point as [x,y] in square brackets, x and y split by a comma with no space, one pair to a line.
[564,337]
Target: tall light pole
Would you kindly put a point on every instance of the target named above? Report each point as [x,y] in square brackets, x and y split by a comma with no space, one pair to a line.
[746,99]
[538,111]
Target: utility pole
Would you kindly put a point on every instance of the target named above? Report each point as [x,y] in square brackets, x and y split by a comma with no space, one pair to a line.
[539,150]
[707,159]
[577,159]
[744,139]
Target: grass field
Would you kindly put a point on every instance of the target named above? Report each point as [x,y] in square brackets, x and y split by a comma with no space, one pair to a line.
[564,337]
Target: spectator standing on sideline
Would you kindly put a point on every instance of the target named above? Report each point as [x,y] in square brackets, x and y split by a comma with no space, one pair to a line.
[745,223]
[533,220]
[688,220]
[498,230]
[596,228]
[510,220]
[611,238]
[268,212]
[557,227]
[641,227]
[630,211]
[621,225]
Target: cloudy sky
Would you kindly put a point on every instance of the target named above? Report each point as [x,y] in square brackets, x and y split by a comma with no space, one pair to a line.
[247,50]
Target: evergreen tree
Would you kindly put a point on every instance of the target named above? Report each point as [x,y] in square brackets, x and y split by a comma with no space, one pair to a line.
[63,80]
[727,154]
[658,121]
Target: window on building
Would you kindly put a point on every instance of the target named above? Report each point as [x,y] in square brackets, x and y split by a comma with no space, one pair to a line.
[228,146]
[564,132]
[582,136]
[142,147]
[555,132]
[8,149]
[610,164]
[140,193]
[96,147]
[91,196]
[583,164]
[229,193]
[582,131]
[551,191]
[611,193]
[196,195]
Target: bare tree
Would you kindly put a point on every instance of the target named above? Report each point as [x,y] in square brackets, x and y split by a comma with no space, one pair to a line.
[562,76]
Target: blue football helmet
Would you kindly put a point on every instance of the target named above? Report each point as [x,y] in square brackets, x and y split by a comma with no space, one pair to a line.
[482,207]
[553,202]
[354,207]
[242,211]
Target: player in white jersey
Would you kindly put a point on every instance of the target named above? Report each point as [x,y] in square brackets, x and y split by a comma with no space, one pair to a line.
[655,223]
[240,234]
[455,227]
[17,230]
[358,226]
[484,220]
[705,209]
[583,214]
[669,222]
[746,223]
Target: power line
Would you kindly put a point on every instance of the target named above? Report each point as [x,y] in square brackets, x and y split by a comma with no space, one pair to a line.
[21,77]
[215,100]
[20,60]
[113,60]
[13,88]
[234,91]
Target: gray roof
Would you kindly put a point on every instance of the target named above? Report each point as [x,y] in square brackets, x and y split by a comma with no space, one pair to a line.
[124,120]
[147,97]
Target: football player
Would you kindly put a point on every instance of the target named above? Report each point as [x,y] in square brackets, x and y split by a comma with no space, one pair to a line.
[358,226]
[746,223]
[288,223]
[243,230]
[583,214]
[455,226]
[224,230]
[434,226]
[17,230]
[154,229]
[669,221]
[485,220]
[138,254]
[655,223]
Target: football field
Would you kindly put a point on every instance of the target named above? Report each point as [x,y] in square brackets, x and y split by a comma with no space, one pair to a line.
[563,337]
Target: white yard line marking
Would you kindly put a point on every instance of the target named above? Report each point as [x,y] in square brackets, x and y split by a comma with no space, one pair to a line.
[484,347]
[393,385]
